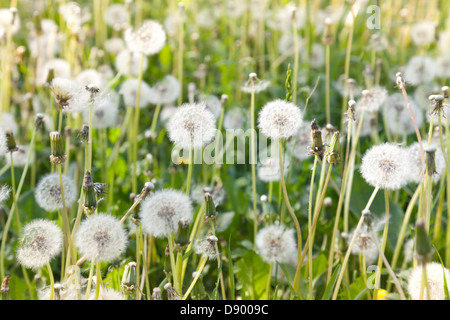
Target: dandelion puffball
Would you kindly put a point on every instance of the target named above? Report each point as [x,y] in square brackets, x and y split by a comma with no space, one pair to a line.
[101,237]
[41,241]
[161,212]
[149,39]
[386,166]
[48,192]
[192,126]
[276,243]
[435,276]
[280,119]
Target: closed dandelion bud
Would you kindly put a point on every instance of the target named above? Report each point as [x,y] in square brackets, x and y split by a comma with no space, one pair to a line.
[156,295]
[424,249]
[38,121]
[327,37]
[182,235]
[430,152]
[93,90]
[445,91]
[128,283]
[332,155]
[210,211]
[57,146]
[4,289]
[90,198]
[223,99]
[11,145]
[317,145]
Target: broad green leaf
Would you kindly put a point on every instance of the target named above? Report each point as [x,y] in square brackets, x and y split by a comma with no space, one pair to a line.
[330,288]
[252,273]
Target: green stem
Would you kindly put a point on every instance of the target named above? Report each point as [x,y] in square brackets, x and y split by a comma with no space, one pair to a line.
[200,267]
[52,281]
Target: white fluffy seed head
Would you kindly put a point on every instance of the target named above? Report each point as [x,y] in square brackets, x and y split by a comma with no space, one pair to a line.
[364,244]
[116,15]
[420,70]
[165,91]
[234,119]
[101,237]
[206,247]
[435,276]
[269,169]
[5,191]
[41,241]
[48,192]
[372,99]
[105,112]
[386,166]
[161,211]
[299,145]
[192,126]
[398,116]
[276,243]
[20,156]
[149,39]
[213,104]
[73,95]
[423,33]
[279,119]
[129,89]
[417,168]
[129,63]
[198,194]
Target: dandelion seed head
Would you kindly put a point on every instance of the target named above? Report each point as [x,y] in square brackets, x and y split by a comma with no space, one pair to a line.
[101,237]
[364,244]
[161,211]
[149,39]
[269,169]
[417,168]
[91,77]
[279,119]
[423,33]
[435,277]
[192,126]
[386,166]
[20,156]
[372,99]
[115,46]
[276,243]
[443,66]
[129,90]
[206,247]
[213,104]
[398,116]
[48,192]
[129,63]
[41,241]
[198,194]
[105,112]
[116,15]
[420,70]
[234,119]
[165,91]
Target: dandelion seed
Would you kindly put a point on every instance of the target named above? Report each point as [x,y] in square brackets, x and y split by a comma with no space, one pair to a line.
[386,166]
[276,243]
[162,210]
[435,276]
[149,39]
[279,119]
[48,192]
[41,241]
[192,126]
[101,237]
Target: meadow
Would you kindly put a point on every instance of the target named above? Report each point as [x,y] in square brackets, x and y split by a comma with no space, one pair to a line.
[224,150]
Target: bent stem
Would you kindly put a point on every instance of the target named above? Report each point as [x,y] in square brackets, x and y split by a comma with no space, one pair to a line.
[294,219]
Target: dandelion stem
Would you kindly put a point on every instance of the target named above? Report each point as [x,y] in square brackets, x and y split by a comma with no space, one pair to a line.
[52,281]
[253,165]
[200,267]
[311,189]
[136,124]
[294,219]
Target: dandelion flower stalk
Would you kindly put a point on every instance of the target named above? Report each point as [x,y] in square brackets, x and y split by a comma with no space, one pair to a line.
[199,270]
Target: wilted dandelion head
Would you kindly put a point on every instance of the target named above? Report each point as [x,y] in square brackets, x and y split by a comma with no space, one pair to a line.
[217,193]
[41,241]
[101,237]
[206,247]
[386,166]
[372,99]
[417,168]
[279,119]
[161,211]
[435,276]
[165,91]
[48,192]
[276,243]
[192,126]
[398,116]
[149,39]
[254,84]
